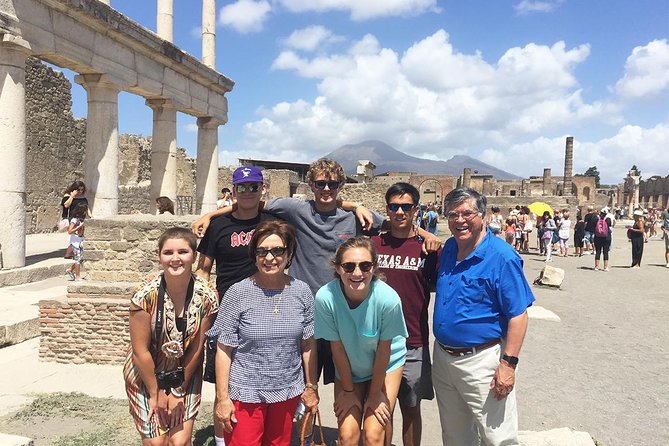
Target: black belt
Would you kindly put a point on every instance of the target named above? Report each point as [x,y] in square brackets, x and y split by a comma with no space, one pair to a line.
[468,350]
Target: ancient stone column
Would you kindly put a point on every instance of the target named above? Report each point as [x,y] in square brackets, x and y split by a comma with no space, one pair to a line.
[165,20]
[547,189]
[206,178]
[467,177]
[13,53]
[487,186]
[209,33]
[568,166]
[101,158]
[163,149]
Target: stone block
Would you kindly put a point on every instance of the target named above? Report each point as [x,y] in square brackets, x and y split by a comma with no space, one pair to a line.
[555,437]
[550,276]
[15,440]
[120,246]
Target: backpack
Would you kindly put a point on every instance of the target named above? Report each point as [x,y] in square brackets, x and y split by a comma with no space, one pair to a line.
[601,229]
[431,221]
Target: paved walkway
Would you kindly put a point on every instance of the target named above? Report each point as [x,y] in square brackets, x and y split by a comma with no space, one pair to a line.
[602,368]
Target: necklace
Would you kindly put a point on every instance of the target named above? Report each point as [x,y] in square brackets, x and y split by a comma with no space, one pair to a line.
[276,304]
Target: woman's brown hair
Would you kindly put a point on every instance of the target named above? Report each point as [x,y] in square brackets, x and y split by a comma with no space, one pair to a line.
[284,230]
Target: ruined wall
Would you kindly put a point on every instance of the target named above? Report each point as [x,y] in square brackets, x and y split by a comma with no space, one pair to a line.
[55,145]
[654,192]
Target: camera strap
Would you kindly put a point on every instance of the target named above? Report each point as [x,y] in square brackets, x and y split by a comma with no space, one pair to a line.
[160,307]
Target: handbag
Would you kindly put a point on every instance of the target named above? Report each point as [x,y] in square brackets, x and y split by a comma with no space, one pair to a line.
[318,423]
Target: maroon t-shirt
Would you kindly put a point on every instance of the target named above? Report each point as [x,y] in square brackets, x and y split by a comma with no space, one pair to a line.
[411,274]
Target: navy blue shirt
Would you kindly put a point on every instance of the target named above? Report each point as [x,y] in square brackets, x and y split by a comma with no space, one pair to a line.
[476,298]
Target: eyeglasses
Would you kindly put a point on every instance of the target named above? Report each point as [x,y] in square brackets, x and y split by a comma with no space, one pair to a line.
[406,207]
[467,215]
[241,188]
[349,267]
[332,185]
[276,251]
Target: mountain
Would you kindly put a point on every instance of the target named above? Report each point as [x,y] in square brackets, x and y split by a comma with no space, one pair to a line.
[387,158]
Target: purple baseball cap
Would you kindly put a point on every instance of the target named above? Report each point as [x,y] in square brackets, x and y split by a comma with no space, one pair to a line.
[247,174]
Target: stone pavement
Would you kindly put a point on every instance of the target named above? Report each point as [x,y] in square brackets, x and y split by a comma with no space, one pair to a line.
[573,359]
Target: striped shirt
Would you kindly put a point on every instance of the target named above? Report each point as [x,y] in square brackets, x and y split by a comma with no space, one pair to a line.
[266,328]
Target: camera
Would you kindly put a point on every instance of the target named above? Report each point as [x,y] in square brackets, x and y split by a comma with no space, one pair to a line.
[170,380]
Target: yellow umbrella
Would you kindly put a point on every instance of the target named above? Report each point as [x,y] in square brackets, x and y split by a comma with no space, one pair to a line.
[539,207]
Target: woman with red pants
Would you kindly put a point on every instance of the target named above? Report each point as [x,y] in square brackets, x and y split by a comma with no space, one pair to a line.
[266,346]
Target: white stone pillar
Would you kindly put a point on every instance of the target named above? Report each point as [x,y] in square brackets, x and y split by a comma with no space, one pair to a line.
[165,20]
[209,33]
[101,157]
[163,149]
[13,53]
[206,178]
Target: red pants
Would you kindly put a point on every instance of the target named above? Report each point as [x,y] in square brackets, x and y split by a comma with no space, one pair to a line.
[262,424]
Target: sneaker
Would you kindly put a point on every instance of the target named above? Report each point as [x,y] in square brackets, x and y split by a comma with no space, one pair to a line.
[70,275]
[667,265]
[606,270]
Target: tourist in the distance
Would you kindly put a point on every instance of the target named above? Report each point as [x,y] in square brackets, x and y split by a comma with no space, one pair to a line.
[164,205]
[76,231]
[548,226]
[602,240]
[361,317]
[163,369]
[73,196]
[563,233]
[637,235]
[579,236]
[266,345]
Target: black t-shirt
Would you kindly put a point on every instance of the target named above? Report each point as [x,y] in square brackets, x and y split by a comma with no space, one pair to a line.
[590,222]
[67,212]
[227,242]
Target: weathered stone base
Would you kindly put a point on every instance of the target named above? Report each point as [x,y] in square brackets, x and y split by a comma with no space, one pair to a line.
[19,332]
[89,325]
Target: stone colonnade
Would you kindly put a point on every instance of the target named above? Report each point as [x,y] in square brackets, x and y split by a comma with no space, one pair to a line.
[102,135]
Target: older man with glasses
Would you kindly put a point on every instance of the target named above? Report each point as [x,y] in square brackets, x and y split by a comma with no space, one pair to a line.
[480,320]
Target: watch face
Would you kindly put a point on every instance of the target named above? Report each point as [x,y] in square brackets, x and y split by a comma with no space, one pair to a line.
[513,360]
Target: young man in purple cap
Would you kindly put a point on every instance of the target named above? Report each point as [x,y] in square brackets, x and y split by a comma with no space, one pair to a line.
[226,242]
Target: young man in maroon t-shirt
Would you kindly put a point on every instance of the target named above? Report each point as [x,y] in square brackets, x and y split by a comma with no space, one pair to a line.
[412,274]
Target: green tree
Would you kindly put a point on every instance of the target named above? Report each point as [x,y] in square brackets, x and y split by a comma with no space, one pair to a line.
[593,172]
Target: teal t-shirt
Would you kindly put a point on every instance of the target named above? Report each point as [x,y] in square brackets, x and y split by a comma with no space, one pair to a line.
[377,318]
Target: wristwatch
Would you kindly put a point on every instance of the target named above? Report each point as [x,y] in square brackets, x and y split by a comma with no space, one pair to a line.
[512,360]
[313,387]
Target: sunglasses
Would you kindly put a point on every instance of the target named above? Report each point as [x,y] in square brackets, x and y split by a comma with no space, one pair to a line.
[349,267]
[276,251]
[241,188]
[332,185]
[406,207]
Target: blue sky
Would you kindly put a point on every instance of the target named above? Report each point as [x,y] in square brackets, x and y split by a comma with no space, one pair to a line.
[501,81]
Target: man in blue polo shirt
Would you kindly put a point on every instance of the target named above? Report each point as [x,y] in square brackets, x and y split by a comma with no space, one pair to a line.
[480,320]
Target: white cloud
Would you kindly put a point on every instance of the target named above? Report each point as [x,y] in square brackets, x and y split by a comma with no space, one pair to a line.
[646,71]
[245,16]
[364,9]
[613,156]
[190,128]
[530,6]
[196,32]
[311,38]
[461,104]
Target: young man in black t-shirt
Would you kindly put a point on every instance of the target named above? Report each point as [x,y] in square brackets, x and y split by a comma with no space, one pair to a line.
[226,242]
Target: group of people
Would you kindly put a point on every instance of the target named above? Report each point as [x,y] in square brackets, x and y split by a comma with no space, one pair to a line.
[592,233]
[302,293]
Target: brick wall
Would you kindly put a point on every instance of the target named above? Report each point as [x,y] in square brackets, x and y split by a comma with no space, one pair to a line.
[90,324]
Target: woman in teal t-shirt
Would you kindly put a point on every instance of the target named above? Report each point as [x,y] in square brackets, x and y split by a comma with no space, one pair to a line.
[362,318]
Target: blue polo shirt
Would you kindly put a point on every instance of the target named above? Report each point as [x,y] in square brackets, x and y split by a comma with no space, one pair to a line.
[476,298]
